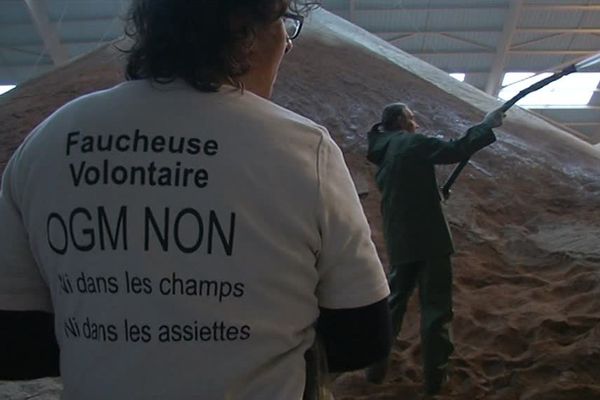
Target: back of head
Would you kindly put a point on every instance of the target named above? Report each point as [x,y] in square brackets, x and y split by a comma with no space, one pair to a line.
[391,113]
[204,42]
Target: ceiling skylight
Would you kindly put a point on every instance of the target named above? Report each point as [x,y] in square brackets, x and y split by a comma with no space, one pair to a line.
[570,91]
[5,88]
[458,77]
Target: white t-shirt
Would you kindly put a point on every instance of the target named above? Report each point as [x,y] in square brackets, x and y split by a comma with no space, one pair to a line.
[184,241]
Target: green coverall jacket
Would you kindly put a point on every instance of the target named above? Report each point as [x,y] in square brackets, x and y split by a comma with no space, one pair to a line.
[414,226]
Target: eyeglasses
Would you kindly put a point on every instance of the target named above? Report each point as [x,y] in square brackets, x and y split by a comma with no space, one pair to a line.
[293,24]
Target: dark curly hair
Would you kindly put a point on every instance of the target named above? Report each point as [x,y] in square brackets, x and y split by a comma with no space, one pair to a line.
[195,40]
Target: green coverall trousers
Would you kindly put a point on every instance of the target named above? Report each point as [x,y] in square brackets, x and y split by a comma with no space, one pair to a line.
[434,279]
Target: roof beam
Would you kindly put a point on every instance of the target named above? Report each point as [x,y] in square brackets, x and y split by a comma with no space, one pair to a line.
[74,42]
[523,44]
[21,65]
[563,7]
[35,53]
[483,6]
[459,39]
[559,108]
[438,8]
[54,47]
[575,31]
[418,8]
[582,123]
[400,37]
[352,10]
[489,53]
[83,20]
[556,52]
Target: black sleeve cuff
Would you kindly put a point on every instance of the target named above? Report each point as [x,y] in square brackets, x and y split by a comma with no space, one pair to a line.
[27,345]
[355,338]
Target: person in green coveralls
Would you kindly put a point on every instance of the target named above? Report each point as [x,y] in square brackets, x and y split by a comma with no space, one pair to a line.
[417,236]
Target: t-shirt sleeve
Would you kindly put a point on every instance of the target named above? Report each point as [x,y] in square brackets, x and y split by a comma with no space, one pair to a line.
[350,272]
[21,285]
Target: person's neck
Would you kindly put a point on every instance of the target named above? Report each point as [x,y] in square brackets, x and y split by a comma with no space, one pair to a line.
[257,84]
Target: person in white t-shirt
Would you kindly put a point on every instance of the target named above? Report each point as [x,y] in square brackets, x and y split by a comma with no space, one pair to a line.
[179,234]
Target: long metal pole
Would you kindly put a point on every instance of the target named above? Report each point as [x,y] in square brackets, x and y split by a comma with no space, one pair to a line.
[536,86]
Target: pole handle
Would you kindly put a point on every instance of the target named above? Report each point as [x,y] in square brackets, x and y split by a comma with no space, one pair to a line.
[452,178]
